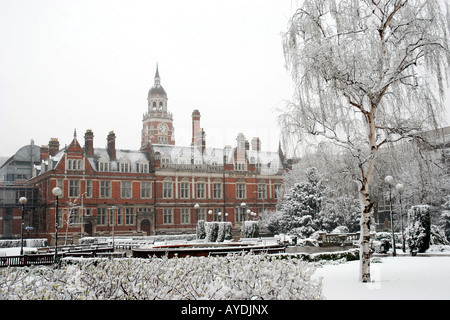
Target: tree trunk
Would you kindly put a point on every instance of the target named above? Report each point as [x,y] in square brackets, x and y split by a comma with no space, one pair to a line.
[364,251]
[366,177]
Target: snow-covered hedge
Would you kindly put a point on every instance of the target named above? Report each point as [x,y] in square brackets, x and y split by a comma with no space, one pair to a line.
[217,231]
[155,238]
[201,233]
[224,231]
[418,232]
[31,243]
[250,229]
[347,255]
[233,277]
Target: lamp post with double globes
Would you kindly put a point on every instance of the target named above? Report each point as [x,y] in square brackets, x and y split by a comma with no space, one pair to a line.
[243,205]
[390,181]
[210,214]
[57,192]
[399,187]
[23,202]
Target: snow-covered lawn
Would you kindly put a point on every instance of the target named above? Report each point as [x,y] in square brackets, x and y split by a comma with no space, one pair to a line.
[425,276]
[401,278]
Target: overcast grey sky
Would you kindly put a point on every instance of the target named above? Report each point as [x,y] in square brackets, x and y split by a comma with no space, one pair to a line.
[88,64]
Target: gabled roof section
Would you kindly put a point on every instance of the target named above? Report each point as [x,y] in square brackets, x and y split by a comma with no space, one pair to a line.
[75,146]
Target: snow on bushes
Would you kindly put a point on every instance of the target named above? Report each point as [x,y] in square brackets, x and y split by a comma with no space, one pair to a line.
[200,232]
[216,231]
[243,276]
[250,229]
[311,205]
[418,232]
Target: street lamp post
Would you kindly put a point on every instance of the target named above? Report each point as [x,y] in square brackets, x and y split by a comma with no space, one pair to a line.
[390,181]
[113,208]
[81,217]
[399,187]
[57,192]
[210,214]
[196,206]
[23,202]
[243,205]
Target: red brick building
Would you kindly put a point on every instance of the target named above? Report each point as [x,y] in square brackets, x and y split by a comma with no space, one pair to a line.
[155,189]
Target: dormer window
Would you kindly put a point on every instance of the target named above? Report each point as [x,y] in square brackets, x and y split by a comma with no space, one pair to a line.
[143,166]
[239,166]
[103,166]
[125,167]
[165,158]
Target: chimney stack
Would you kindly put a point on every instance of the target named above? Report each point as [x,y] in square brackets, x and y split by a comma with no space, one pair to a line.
[201,141]
[89,142]
[44,152]
[241,147]
[111,145]
[256,144]
[195,126]
[53,146]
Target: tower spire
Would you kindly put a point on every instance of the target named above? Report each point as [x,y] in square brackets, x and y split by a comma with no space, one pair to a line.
[157,78]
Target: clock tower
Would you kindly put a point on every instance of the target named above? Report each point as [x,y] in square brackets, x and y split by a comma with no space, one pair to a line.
[157,122]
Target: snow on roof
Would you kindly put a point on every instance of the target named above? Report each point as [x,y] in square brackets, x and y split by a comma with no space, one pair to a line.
[215,156]
[129,156]
[268,162]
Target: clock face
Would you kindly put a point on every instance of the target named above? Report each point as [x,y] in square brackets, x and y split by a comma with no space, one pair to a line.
[162,128]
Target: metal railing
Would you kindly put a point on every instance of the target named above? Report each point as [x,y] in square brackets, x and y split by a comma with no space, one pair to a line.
[47,256]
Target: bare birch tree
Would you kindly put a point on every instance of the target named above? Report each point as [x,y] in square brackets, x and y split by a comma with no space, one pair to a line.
[366,73]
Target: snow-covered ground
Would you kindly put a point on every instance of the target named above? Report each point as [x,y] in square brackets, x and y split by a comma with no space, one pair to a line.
[423,277]
[15,251]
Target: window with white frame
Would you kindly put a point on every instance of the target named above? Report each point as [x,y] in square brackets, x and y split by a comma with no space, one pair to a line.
[185,215]
[74,188]
[184,190]
[201,194]
[276,191]
[239,166]
[126,189]
[217,190]
[165,158]
[124,166]
[143,167]
[240,191]
[88,188]
[167,216]
[239,214]
[105,189]
[129,215]
[201,214]
[146,190]
[103,166]
[167,189]
[74,164]
[102,216]
[262,192]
